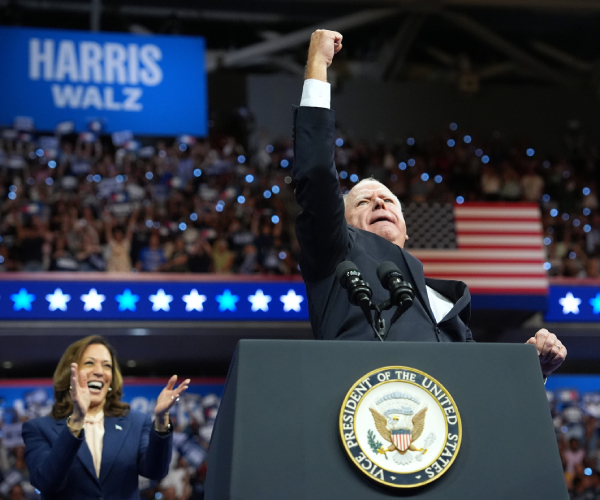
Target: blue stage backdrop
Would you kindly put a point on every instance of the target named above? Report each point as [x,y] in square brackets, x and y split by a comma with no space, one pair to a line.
[150,85]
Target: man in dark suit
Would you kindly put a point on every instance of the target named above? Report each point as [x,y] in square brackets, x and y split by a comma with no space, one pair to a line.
[367,228]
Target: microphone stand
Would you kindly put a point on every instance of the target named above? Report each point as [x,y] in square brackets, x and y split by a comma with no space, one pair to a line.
[379,326]
[378,323]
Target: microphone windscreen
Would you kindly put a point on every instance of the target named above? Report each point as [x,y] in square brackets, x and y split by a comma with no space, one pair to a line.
[386,268]
[342,268]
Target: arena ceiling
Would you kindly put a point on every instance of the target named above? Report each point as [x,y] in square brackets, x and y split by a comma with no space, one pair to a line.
[464,42]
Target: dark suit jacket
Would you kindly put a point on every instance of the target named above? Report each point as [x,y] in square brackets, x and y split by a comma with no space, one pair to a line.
[326,239]
[61,467]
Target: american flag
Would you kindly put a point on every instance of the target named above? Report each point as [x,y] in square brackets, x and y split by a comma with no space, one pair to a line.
[495,248]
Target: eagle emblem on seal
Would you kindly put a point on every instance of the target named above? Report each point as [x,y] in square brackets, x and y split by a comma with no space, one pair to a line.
[400,419]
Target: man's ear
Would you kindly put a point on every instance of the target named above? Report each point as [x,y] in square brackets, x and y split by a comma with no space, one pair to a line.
[406,236]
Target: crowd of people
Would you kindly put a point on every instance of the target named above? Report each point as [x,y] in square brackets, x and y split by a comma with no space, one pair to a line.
[14,484]
[578,431]
[183,482]
[192,419]
[173,207]
[92,203]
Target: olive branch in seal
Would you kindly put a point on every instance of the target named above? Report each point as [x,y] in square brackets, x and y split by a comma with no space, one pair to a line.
[373,444]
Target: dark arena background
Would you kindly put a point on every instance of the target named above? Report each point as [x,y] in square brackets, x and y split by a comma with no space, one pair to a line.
[146,191]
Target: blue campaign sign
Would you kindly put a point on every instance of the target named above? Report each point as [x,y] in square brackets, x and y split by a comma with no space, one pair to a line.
[150,85]
[577,303]
[56,300]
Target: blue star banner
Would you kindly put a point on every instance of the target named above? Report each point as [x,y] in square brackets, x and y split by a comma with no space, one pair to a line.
[577,303]
[184,298]
[113,300]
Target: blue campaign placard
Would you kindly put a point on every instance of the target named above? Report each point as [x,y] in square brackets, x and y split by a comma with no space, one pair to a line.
[577,303]
[150,85]
[102,300]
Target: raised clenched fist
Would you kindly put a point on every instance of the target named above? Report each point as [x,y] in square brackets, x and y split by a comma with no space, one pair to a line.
[324,45]
[551,351]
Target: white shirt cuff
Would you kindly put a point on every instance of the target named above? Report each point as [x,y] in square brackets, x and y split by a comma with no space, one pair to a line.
[316,94]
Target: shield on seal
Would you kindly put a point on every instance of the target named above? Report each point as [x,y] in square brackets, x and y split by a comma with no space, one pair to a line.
[401,438]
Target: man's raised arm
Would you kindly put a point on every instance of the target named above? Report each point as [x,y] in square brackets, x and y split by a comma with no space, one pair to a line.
[321,227]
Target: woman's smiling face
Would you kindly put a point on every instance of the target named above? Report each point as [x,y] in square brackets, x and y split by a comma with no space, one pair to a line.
[96,363]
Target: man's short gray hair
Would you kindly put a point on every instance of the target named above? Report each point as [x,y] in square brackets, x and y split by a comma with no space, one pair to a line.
[371,179]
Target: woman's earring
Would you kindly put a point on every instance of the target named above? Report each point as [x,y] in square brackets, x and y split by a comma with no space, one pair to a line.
[109,389]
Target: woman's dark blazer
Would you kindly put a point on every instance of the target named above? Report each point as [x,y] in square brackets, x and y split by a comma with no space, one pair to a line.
[61,466]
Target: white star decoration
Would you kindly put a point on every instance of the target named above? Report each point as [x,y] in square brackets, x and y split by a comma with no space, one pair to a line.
[570,304]
[58,300]
[92,300]
[259,301]
[194,301]
[291,301]
[161,301]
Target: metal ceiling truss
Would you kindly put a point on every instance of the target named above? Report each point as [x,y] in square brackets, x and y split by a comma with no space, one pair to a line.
[392,58]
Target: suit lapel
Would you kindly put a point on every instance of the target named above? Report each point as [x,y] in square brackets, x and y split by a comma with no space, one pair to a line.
[462,306]
[59,425]
[83,454]
[458,293]
[416,270]
[115,432]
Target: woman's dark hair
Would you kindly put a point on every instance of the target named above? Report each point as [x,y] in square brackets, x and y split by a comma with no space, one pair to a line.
[63,406]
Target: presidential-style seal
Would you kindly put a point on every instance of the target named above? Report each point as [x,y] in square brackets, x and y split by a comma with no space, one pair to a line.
[400,427]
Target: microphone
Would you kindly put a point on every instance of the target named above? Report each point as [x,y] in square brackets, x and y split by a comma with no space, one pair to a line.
[359,291]
[401,292]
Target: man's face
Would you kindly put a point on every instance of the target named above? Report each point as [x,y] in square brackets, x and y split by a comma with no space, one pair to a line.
[372,207]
